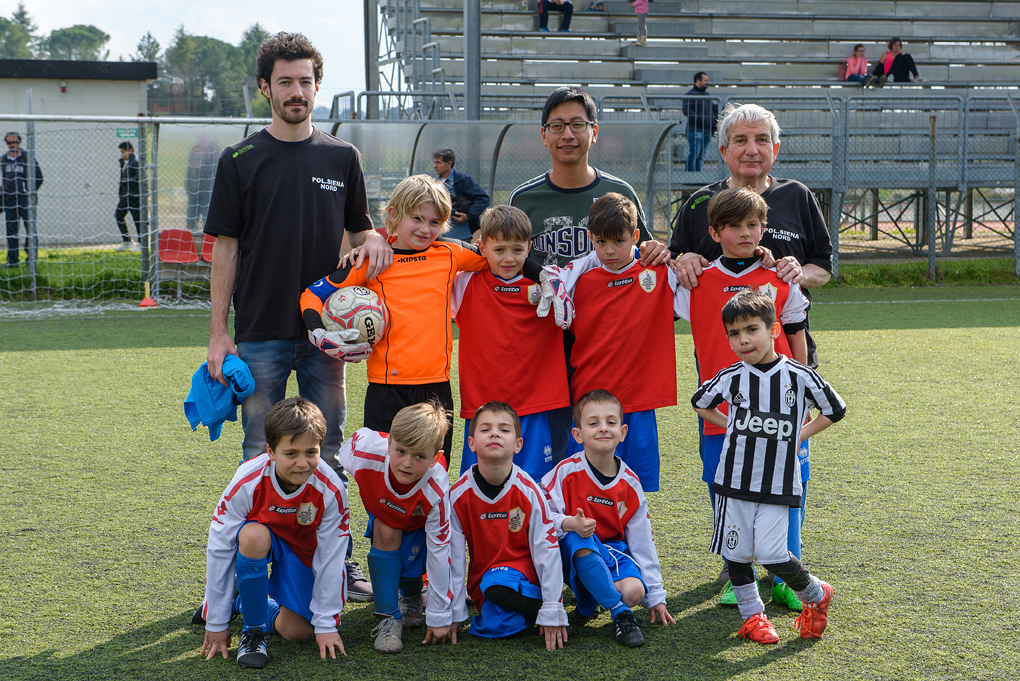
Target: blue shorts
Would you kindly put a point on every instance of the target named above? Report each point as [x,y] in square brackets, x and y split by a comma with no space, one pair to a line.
[617,558]
[290,580]
[412,550]
[639,450]
[495,621]
[712,451]
[535,457]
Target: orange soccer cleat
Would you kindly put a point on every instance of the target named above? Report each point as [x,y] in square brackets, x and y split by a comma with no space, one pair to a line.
[815,617]
[758,629]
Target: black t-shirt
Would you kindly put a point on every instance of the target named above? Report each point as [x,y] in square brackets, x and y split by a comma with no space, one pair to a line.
[288,205]
[795,224]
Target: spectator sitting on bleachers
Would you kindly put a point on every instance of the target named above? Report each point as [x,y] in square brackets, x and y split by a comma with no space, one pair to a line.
[564,6]
[897,64]
[857,67]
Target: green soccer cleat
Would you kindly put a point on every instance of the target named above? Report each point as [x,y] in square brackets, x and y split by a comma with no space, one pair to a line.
[727,597]
[782,593]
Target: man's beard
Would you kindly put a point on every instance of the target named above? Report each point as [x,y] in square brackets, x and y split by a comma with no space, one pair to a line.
[289,116]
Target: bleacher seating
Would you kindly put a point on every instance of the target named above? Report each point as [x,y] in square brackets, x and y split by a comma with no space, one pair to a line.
[787,45]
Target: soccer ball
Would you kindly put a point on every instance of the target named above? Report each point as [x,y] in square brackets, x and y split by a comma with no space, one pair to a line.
[356,307]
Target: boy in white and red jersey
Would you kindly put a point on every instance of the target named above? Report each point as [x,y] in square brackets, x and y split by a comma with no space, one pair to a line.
[530,372]
[411,361]
[289,508]
[623,324]
[608,552]
[738,217]
[500,516]
[403,485]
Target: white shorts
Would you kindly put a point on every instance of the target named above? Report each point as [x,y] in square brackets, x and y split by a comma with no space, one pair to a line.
[746,530]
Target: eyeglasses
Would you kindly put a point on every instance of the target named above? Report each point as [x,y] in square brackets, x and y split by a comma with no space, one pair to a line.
[12,143]
[575,126]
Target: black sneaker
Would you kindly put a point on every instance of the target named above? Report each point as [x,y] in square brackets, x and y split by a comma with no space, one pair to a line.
[626,629]
[251,651]
[198,619]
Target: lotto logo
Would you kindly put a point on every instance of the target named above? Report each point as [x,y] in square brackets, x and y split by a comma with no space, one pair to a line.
[763,424]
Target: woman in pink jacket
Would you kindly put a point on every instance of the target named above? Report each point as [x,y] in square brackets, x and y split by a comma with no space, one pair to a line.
[857,67]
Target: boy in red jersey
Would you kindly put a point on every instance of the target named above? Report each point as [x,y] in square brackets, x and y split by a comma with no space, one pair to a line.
[737,221]
[500,516]
[607,548]
[411,361]
[623,324]
[289,508]
[531,371]
[403,485]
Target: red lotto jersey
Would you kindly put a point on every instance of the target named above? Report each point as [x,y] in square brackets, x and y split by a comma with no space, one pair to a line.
[715,287]
[513,530]
[507,352]
[623,322]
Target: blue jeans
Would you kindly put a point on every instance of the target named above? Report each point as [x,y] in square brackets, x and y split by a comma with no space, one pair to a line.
[857,78]
[697,143]
[320,379]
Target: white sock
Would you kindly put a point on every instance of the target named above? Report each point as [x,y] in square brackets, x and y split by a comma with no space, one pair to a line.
[748,601]
[812,593]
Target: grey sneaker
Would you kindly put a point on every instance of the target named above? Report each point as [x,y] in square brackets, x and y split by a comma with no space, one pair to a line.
[251,651]
[387,635]
[626,630]
[359,589]
[411,608]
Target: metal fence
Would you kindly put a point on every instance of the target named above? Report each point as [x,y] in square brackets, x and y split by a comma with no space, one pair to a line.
[898,177]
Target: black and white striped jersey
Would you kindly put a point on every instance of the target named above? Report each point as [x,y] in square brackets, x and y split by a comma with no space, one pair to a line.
[768,404]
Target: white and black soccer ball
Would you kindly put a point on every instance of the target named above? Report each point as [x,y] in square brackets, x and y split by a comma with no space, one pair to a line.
[356,307]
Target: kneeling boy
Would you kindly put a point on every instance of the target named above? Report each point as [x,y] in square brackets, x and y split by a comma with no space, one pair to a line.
[758,478]
[403,484]
[289,508]
[500,516]
[608,551]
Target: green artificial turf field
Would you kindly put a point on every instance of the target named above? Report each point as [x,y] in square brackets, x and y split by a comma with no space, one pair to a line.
[107,496]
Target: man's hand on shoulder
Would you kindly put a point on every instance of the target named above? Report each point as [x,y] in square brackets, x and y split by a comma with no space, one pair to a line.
[330,641]
[220,345]
[653,253]
[688,267]
[369,246]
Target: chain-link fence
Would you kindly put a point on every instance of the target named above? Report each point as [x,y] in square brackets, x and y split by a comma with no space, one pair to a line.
[879,165]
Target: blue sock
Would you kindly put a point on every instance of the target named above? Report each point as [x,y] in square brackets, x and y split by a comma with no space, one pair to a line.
[253,590]
[594,575]
[272,610]
[384,569]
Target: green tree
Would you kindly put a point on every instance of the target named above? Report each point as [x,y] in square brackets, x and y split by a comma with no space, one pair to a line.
[15,42]
[21,17]
[79,42]
[147,49]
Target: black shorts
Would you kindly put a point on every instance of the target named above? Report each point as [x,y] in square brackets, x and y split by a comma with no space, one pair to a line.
[382,402]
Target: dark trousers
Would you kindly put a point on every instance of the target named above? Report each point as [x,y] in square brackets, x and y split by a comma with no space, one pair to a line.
[123,208]
[382,402]
[900,69]
[543,14]
[13,212]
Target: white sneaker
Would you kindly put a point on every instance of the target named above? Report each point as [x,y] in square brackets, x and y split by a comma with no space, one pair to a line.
[136,246]
[124,245]
[387,635]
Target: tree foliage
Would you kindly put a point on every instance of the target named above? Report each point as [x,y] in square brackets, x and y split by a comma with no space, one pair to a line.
[81,42]
[15,42]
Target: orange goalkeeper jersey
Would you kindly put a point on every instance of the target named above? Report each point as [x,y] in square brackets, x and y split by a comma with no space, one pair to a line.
[416,346]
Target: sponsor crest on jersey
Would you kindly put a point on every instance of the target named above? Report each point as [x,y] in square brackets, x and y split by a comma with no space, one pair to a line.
[731,539]
[306,513]
[769,290]
[646,280]
[739,398]
[516,519]
[791,397]
[418,510]
[534,294]
[621,508]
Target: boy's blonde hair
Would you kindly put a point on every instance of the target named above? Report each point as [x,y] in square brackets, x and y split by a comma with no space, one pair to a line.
[734,205]
[296,417]
[421,427]
[598,395]
[506,223]
[410,194]
[612,216]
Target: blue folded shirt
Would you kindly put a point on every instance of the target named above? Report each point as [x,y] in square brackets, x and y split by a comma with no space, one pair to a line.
[210,402]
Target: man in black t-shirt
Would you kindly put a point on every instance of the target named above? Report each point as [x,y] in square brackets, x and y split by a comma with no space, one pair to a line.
[281,202]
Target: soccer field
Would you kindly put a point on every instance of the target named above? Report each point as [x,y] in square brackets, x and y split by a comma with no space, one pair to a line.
[107,496]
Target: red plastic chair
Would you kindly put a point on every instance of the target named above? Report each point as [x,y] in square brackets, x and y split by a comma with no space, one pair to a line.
[177,247]
[207,244]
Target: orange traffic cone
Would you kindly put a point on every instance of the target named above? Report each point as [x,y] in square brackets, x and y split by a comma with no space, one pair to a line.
[147,301]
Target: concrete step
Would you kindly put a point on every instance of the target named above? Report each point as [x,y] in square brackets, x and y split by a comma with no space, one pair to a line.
[800,72]
[846,27]
[873,8]
[533,45]
[558,71]
[832,49]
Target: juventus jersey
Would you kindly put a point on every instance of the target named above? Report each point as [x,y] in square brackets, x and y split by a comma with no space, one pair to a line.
[313,521]
[365,457]
[767,407]
[623,322]
[514,530]
[618,508]
[497,321]
[703,306]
